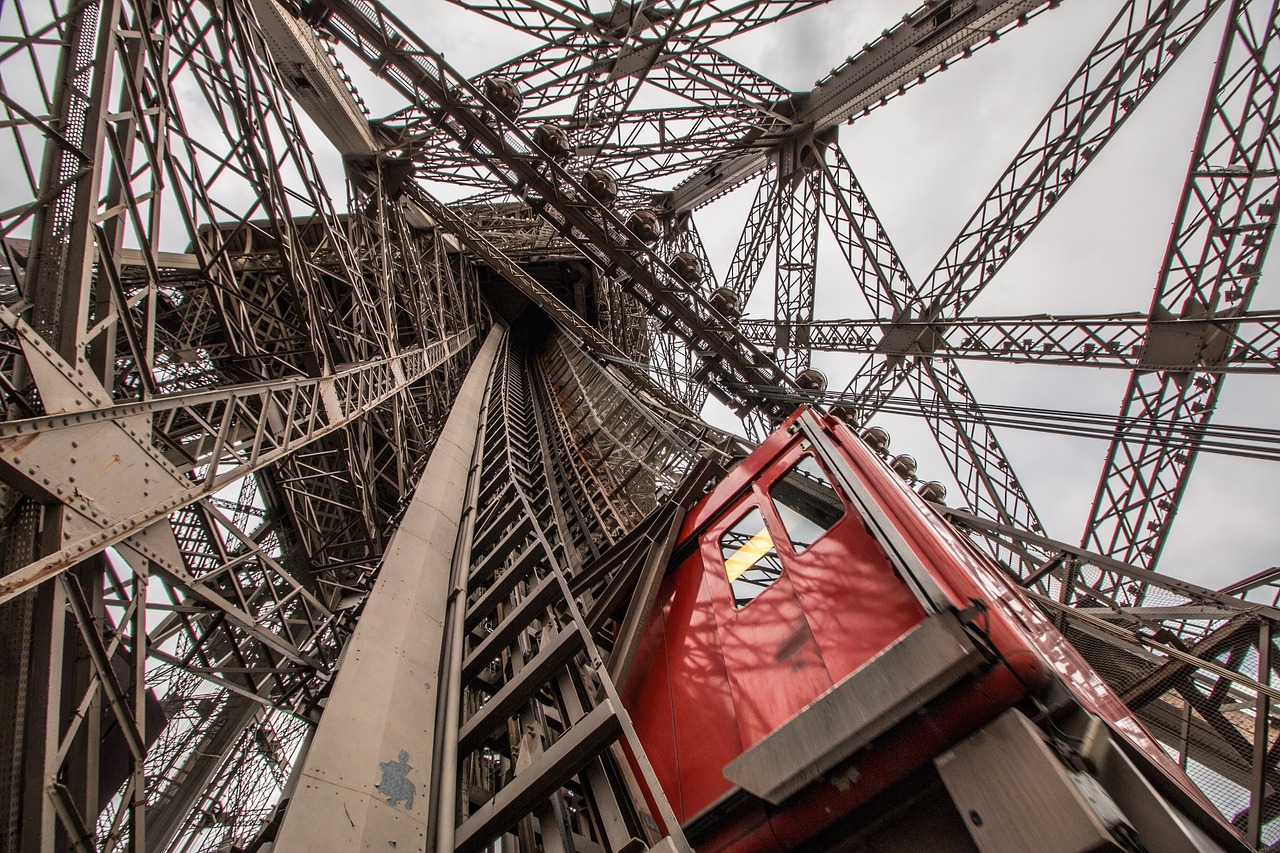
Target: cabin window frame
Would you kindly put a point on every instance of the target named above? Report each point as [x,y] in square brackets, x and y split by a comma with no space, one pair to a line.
[846,509]
[747,508]
[759,499]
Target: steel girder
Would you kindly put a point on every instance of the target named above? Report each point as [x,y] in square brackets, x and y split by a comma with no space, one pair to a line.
[600,76]
[1139,46]
[1241,343]
[921,44]
[706,21]
[1129,59]
[1196,665]
[797,262]
[566,466]
[1224,227]
[674,364]
[219,436]
[737,371]
[168,126]
[968,442]
[273,288]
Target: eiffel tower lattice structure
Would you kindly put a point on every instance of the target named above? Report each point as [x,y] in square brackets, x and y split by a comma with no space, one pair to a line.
[352,396]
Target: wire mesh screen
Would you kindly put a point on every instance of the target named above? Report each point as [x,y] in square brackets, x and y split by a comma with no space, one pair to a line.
[1195,674]
[636,449]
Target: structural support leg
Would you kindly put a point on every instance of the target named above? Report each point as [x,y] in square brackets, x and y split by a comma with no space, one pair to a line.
[364,783]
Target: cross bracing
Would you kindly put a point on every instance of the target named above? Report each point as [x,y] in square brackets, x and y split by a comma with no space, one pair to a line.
[270,355]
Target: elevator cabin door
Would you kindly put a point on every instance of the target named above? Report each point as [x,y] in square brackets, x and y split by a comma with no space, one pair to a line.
[784,593]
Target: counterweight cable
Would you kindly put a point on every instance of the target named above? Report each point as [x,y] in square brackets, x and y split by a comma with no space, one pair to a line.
[1223,439]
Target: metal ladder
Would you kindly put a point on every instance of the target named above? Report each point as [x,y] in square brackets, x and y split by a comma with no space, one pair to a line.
[543,754]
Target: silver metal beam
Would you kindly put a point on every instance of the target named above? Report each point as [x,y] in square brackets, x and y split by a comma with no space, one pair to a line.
[365,780]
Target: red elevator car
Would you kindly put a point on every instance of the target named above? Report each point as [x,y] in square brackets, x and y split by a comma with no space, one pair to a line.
[823,633]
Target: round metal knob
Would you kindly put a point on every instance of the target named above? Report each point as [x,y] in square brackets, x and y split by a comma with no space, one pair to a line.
[727,304]
[877,438]
[812,379]
[688,267]
[904,465]
[553,141]
[933,491]
[601,186]
[645,225]
[504,95]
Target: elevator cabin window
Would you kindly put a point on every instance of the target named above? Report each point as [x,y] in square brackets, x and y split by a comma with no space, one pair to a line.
[808,505]
[806,502]
[750,560]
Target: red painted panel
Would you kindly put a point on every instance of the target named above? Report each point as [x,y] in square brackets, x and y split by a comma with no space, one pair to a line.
[854,601]
[713,679]
[773,662]
[648,696]
[698,691]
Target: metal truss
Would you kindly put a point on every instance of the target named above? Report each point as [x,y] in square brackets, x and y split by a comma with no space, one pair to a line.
[1140,45]
[1223,230]
[966,438]
[187,303]
[923,43]
[502,147]
[1196,665]
[919,327]
[675,365]
[797,263]
[914,324]
[212,439]
[1248,342]
[993,488]
[568,469]
[180,294]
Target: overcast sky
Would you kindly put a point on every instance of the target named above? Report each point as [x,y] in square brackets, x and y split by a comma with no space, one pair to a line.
[927,160]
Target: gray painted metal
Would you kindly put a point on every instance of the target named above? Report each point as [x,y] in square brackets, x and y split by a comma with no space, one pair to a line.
[1002,778]
[1016,795]
[907,52]
[864,705]
[373,747]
